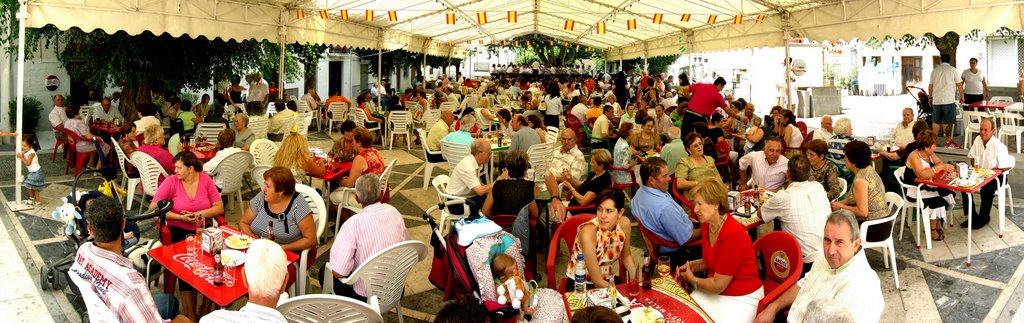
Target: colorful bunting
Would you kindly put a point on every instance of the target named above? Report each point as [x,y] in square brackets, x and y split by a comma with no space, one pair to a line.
[323,14]
[299,14]
[737,20]
[481,17]
[513,17]
[344,14]
[392,15]
[569,25]
[712,18]
[657,18]
[527,43]
[685,18]
[601,28]
[631,24]
[369,15]
[450,18]
[759,20]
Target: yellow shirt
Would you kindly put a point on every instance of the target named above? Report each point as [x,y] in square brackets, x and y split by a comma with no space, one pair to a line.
[436,133]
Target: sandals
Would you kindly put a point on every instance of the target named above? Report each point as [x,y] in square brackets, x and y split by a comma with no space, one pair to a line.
[938,234]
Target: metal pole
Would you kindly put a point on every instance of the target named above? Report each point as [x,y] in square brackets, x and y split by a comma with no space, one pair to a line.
[20,104]
[380,75]
[786,36]
[282,35]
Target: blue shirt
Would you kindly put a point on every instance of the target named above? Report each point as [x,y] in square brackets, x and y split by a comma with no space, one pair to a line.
[662,216]
[459,137]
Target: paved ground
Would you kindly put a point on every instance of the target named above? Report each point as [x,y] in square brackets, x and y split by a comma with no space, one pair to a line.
[935,284]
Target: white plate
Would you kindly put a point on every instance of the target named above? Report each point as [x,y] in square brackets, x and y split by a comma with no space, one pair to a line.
[238,241]
[636,315]
[234,257]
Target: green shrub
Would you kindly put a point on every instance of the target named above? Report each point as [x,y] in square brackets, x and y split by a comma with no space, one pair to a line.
[33,110]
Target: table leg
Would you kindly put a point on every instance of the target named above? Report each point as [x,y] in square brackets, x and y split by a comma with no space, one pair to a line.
[970,209]
[925,224]
[1002,205]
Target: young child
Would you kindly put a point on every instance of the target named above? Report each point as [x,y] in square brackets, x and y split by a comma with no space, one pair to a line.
[510,282]
[34,179]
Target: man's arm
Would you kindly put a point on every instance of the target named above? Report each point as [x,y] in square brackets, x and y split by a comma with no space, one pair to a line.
[680,229]
[784,300]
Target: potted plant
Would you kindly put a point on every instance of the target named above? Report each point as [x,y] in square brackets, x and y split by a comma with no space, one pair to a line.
[33,110]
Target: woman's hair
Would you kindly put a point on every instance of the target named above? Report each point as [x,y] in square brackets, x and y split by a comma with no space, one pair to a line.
[713,192]
[858,153]
[625,129]
[596,314]
[189,159]
[818,146]
[235,79]
[616,196]
[204,97]
[842,126]
[364,137]
[553,90]
[293,152]
[71,111]
[517,162]
[226,138]
[282,179]
[505,114]
[536,121]
[926,138]
[603,157]
[186,105]
[151,134]
[690,139]
[919,125]
[484,103]
[611,97]
[700,128]
[790,117]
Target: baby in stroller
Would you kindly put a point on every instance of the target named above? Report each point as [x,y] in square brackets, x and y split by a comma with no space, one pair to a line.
[80,233]
[512,289]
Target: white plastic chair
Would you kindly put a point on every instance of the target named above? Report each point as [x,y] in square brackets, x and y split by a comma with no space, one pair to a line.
[1000,99]
[454,153]
[907,204]
[149,174]
[398,122]
[972,125]
[257,174]
[843,188]
[304,121]
[361,119]
[1010,124]
[895,203]
[553,133]
[231,172]
[263,151]
[348,192]
[540,155]
[338,113]
[329,308]
[430,117]
[440,184]
[449,106]
[319,208]
[173,143]
[210,130]
[428,167]
[259,128]
[86,112]
[384,274]
[132,183]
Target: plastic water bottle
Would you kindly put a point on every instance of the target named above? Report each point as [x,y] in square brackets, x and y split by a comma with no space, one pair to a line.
[581,275]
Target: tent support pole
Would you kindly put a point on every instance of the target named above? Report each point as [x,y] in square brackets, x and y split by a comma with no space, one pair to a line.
[380,75]
[786,36]
[281,34]
[621,68]
[22,16]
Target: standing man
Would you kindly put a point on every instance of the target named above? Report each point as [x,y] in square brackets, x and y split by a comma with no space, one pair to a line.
[259,91]
[975,85]
[945,87]
[522,136]
[704,99]
[987,152]
[655,209]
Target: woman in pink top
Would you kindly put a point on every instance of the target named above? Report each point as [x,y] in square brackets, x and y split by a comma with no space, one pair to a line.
[195,198]
[153,145]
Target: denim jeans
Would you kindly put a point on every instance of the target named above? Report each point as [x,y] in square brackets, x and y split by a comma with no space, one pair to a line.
[167,305]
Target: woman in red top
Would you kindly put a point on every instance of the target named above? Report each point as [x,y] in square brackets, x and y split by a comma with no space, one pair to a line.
[732,290]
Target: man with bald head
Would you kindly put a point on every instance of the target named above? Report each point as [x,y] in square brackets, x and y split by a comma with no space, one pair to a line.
[440,129]
[465,178]
[825,131]
[987,152]
[904,132]
[57,115]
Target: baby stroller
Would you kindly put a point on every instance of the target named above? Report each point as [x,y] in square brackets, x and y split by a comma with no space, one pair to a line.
[924,108]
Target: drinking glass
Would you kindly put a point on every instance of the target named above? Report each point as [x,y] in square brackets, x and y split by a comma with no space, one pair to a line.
[633,285]
[190,242]
[664,266]
[229,276]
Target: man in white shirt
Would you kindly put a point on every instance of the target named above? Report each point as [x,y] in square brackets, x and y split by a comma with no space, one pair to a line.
[266,275]
[904,132]
[566,162]
[975,84]
[825,131]
[105,111]
[580,109]
[801,207]
[767,167]
[661,120]
[988,153]
[465,178]
[312,99]
[603,125]
[945,87]
[57,115]
[259,91]
[843,274]
[115,100]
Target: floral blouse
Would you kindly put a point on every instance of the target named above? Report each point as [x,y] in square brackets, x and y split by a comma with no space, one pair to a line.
[828,176]
[609,247]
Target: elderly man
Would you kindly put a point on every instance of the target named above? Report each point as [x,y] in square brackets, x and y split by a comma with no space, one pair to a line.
[567,162]
[465,178]
[603,125]
[312,99]
[259,91]
[438,131]
[661,120]
[373,229]
[802,207]
[655,209]
[768,167]
[100,263]
[105,112]
[946,86]
[580,109]
[266,274]
[989,153]
[284,119]
[843,274]
[522,135]
[675,149]
[57,114]
[463,136]
[825,131]
[904,132]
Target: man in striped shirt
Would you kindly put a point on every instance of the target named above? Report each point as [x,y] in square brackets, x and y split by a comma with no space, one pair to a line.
[375,228]
[843,274]
[767,167]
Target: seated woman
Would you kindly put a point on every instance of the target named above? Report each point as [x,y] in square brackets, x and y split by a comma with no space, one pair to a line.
[692,169]
[226,144]
[732,289]
[868,191]
[790,133]
[624,154]
[367,160]
[823,171]
[75,124]
[647,139]
[537,124]
[584,192]
[345,147]
[196,199]
[753,137]
[153,145]
[147,117]
[364,103]
[504,117]
[923,163]
[280,214]
[843,134]
[603,241]
[294,154]
[510,195]
[188,118]
[629,115]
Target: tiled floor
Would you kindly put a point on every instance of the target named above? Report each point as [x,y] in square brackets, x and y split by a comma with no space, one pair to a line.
[935,284]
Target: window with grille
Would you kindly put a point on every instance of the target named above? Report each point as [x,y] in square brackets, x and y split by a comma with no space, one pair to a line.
[1004,61]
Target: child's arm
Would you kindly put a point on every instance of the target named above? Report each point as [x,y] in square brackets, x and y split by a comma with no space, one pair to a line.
[27,159]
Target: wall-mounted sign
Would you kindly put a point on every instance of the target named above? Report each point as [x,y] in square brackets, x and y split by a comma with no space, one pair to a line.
[52,82]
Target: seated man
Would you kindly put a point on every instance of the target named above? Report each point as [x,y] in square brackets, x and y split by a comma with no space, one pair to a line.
[99,263]
[675,149]
[596,109]
[266,274]
[373,229]
[104,112]
[465,178]
[603,125]
[843,274]
[522,135]
[283,121]
[988,153]
[566,162]
[437,132]
[768,167]
[654,208]
[802,207]
[825,131]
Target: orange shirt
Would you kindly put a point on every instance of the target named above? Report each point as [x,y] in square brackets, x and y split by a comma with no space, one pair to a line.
[337,98]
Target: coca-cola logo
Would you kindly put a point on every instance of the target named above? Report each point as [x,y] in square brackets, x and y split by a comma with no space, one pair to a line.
[780,264]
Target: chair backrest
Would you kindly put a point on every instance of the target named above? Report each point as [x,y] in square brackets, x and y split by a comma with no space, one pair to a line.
[263,151]
[412,106]
[653,241]
[98,310]
[259,128]
[210,129]
[449,105]
[574,123]
[783,264]
[540,156]
[257,174]
[454,153]
[843,186]
[339,111]
[1008,122]
[86,111]
[399,121]
[565,233]
[316,203]
[384,177]
[385,272]
[898,173]
[301,106]
[426,149]
[894,202]
[327,308]
[173,143]
[149,171]
[440,183]
[803,128]
[121,158]
[1000,99]
[973,118]
[305,119]
[430,117]
[231,171]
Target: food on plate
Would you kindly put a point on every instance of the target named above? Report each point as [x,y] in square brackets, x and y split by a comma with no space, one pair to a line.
[238,241]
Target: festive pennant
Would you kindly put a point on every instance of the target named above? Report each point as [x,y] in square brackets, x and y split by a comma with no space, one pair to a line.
[527,43]
[450,18]
[590,48]
[450,44]
[569,25]
[712,18]
[657,18]
[601,28]
[481,42]
[577,47]
[513,16]
[631,24]
[299,14]
[516,43]
[551,43]
[685,18]
[392,15]
[323,14]
[344,14]
[481,17]
[566,44]
[469,41]
[492,41]
[737,20]
[369,15]
[760,19]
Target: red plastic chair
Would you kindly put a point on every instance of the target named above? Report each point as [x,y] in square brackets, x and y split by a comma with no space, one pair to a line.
[567,233]
[60,142]
[803,128]
[78,158]
[574,123]
[653,241]
[679,197]
[783,263]
[722,162]
[621,186]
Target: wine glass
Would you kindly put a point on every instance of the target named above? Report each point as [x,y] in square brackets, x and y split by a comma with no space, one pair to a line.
[664,266]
